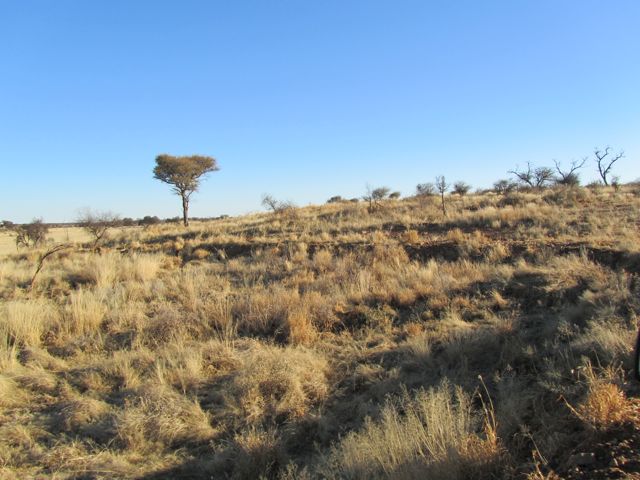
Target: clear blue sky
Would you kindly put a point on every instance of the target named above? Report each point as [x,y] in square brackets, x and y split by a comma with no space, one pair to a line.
[303,99]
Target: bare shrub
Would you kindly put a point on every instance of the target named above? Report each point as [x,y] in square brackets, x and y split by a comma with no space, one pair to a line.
[569,178]
[31,234]
[605,163]
[97,224]
[285,207]
[534,177]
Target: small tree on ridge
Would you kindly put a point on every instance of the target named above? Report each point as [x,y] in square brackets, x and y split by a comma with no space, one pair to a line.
[537,177]
[604,164]
[442,186]
[569,177]
[183,174]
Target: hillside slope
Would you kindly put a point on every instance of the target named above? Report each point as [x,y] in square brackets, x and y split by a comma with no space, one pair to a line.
[334,342]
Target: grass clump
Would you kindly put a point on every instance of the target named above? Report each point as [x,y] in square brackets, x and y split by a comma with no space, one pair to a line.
[435,433]
[156,417]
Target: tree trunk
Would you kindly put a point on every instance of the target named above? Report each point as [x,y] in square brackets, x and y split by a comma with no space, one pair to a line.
[444,210]
[185,210]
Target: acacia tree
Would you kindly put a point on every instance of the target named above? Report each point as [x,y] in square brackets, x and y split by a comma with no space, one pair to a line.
[605,162]
[374,196]
[534,177]
[569,177]
[183,174]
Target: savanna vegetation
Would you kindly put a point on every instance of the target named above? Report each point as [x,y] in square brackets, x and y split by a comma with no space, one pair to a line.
[444,336]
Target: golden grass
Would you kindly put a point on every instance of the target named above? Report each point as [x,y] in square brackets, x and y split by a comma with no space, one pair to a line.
[157,417]
[279,383]
[257,346]
[24,322]
[605,407]
[56,235]
[84,313]
[10,393]
[605,404]
[431,435]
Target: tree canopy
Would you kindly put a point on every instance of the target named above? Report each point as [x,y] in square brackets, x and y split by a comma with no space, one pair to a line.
[184,174]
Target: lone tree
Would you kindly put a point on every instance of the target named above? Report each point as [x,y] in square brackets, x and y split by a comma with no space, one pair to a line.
[605,162]
[183,174]
[442,186]
[269,202]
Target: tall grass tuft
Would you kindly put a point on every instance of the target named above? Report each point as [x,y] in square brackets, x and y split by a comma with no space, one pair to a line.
[24,322]
[435,434]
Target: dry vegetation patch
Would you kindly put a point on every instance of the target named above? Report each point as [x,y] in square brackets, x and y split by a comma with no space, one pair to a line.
[331,342]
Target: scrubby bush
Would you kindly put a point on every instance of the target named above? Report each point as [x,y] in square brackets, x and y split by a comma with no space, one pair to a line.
[97,224]
[503,187]
[461,188]
[425,189]
[31,234]
[277,206]
[148,220]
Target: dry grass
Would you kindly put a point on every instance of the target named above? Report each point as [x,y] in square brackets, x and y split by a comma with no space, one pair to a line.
[84,313]
[605,404]
[56,235]
[432,435]
[24,322]
[156,417]
[279,384]
[330,343]
[605,407]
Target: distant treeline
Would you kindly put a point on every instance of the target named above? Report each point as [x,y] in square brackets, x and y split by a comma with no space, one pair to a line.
[123,222]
